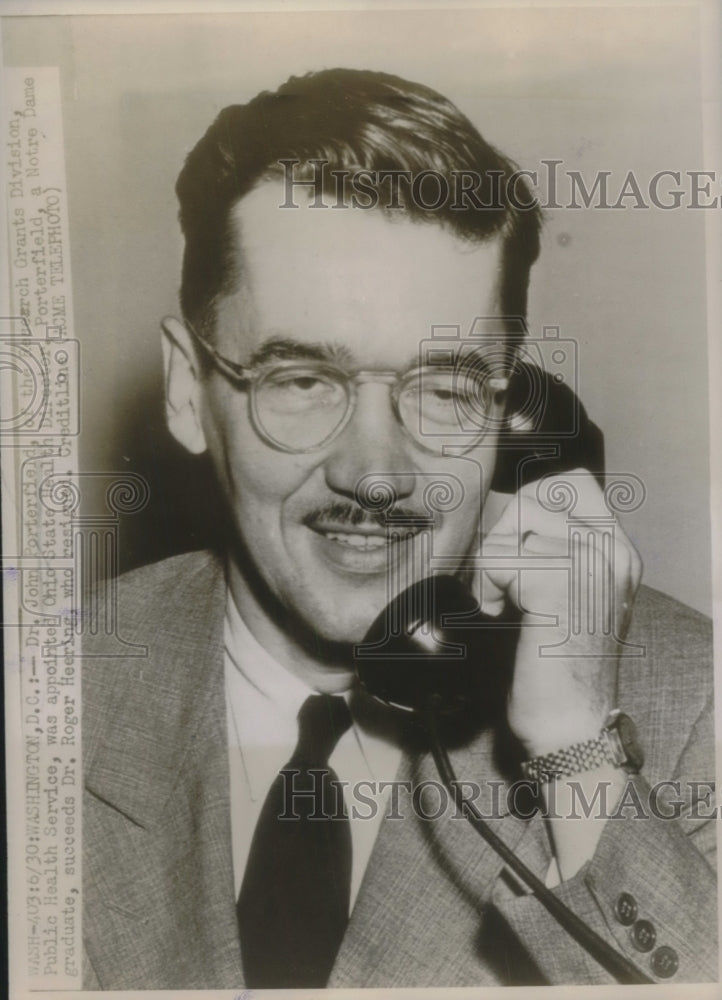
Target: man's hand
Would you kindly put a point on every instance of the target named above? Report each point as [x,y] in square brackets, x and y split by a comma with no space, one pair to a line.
[573,573]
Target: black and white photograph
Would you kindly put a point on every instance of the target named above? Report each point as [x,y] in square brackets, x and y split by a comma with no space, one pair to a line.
[361,479]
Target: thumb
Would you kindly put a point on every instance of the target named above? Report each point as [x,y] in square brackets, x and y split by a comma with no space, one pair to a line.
[492,585]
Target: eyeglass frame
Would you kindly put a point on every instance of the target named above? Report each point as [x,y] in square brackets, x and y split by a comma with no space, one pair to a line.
[246,377]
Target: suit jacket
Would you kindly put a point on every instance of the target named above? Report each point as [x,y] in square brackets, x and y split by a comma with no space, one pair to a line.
[436,907]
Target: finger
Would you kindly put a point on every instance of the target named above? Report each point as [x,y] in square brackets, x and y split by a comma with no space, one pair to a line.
[582,505]
[536,563]
[528,515]
[586,577]
[561,518]
[548,505]
[575,493]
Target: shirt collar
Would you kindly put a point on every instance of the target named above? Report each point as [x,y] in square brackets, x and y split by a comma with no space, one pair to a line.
[277,695]
[270,679]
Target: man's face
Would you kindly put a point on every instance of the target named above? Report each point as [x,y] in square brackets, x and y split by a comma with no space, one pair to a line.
[367,290]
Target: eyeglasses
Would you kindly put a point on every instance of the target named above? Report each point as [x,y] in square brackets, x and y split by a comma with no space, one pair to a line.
[302,406]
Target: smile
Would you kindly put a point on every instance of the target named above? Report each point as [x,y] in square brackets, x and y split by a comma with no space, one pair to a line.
[360,548]
[365,542]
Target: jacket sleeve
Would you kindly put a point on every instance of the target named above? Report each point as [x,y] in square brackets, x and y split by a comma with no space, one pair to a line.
[650,887]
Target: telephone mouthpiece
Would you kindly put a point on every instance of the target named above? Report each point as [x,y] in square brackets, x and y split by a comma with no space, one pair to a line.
[433,642]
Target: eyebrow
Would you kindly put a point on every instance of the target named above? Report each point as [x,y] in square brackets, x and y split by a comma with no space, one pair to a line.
[287,349]
[278,348]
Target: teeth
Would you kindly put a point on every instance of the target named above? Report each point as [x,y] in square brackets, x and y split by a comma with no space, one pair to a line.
[360,541]
[357,541]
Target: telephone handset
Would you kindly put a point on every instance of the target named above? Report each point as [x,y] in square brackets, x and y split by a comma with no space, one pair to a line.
[432,649]
[432,638]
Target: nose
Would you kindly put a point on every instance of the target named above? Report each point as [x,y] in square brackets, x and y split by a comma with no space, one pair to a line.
[372,444]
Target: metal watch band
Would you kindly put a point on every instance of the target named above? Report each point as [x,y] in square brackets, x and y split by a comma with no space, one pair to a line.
[584,756]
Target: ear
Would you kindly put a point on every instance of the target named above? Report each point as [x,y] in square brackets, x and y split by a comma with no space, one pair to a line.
[182,386]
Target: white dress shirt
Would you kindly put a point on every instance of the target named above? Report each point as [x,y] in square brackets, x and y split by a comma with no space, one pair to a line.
[263,699]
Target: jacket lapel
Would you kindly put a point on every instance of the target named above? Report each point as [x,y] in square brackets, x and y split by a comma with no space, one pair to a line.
[158,819]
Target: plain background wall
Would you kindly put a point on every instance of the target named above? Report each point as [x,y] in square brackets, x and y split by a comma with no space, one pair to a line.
[600,89]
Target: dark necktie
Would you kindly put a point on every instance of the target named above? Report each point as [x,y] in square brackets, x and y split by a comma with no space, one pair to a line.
[294,901]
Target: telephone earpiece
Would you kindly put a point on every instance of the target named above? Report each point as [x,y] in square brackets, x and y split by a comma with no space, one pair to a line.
[546,432]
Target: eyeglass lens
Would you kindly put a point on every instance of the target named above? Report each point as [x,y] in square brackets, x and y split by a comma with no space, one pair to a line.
[300,407]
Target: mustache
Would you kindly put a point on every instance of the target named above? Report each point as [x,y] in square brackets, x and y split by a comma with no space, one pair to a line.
[351,515]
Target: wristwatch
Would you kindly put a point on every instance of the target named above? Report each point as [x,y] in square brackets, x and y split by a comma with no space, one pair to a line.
[617,744]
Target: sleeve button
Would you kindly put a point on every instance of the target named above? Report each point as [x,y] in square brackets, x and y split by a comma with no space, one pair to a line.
[643,935]
[626,909]
[665,962]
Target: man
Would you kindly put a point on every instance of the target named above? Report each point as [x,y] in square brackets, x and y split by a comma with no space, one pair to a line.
[329,227]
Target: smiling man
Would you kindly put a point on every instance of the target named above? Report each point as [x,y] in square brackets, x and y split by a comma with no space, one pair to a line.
[356,294]
[330,228]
